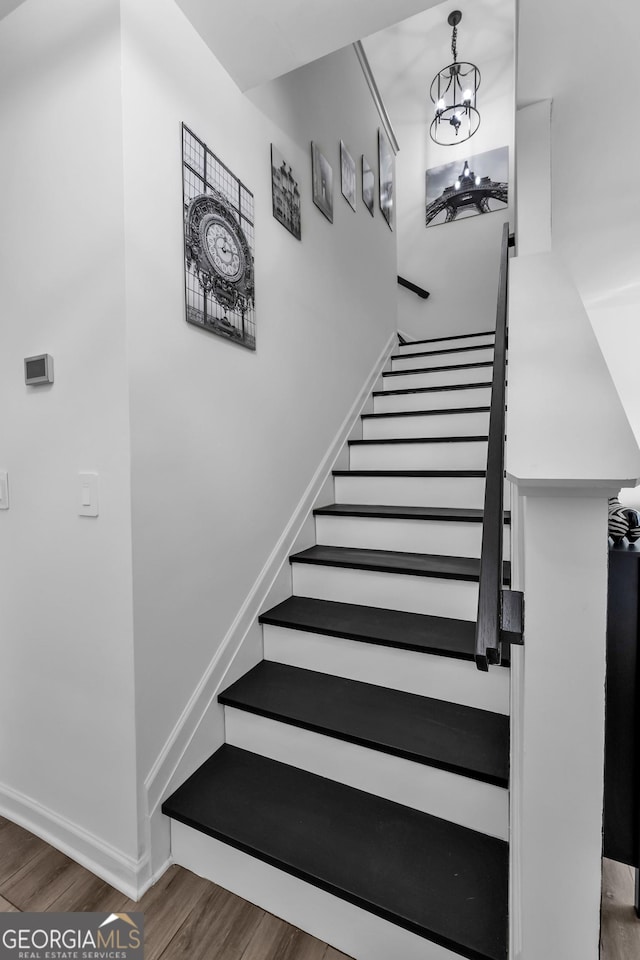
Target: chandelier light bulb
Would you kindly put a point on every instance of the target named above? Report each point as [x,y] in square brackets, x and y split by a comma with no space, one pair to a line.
[467,96]
[440,105]
[477,181]
[457,184]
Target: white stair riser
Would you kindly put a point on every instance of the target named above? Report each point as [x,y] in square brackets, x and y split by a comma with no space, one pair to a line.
[442,537]
[471,803]
[441,359]
[438,425]
[393,591]
[350,929]
[437,378]
[479,339]
[471,455]
[411,491]
[425,674]
[414,491]
[434,400]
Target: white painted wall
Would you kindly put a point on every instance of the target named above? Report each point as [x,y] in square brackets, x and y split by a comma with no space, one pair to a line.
[225,441]
[67,751]
[203,449]
[533,178]
[573,430]
[7,6]
[457,262]
[596,193]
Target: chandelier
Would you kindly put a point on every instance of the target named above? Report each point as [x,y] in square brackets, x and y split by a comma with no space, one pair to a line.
[453,91]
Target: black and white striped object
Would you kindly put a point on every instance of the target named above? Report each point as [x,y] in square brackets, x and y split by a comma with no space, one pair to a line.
[633,519]
[618,522]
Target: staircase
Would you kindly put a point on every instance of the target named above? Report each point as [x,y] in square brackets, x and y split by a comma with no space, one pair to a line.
[362,792]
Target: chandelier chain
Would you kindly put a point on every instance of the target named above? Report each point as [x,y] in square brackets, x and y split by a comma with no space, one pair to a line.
[454,37]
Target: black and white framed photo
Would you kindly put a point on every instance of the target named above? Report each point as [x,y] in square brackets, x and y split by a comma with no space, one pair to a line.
[348,175]
[322,178]
[468,188]
[285,194]
[218,245]
[368,185]
[386,177]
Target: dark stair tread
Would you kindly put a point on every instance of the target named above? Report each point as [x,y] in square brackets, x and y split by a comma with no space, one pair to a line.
[442,881]
[458,336]
[454,366]
[436,353]
[447,386]
[465,514]
[395,440]
[449,736]
[425,413]
[419,632]
[409,473]
[394,561]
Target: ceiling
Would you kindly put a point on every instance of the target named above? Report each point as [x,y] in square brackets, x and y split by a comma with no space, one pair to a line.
[257,41]
[405,57]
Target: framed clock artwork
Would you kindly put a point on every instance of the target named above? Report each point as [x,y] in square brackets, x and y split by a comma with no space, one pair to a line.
[218,242]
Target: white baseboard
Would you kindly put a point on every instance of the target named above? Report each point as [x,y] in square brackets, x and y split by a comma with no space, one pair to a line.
[126,874]
[169,768]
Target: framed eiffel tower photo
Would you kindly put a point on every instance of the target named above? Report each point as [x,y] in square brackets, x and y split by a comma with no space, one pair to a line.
[477,184]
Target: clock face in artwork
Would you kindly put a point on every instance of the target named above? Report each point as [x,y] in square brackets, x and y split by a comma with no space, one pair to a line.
[223,249]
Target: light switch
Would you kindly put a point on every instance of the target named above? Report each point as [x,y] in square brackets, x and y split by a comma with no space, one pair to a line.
[88,506]
[4,490]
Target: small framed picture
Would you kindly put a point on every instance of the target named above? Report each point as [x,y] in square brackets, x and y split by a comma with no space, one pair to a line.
[368,185]
[322,178]
[285,194]
[386,177]
[348,176]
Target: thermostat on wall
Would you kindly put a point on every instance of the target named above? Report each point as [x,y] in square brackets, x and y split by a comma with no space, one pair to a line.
[38,369]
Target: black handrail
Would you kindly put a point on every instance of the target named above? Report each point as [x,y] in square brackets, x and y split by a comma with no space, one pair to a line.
[413,287]
[490,600]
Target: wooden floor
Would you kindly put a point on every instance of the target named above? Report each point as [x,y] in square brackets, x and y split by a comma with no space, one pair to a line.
[185,915]
[620,933]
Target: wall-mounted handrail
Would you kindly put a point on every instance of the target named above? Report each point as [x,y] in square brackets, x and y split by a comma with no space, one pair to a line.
[489,635]
[413,287]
